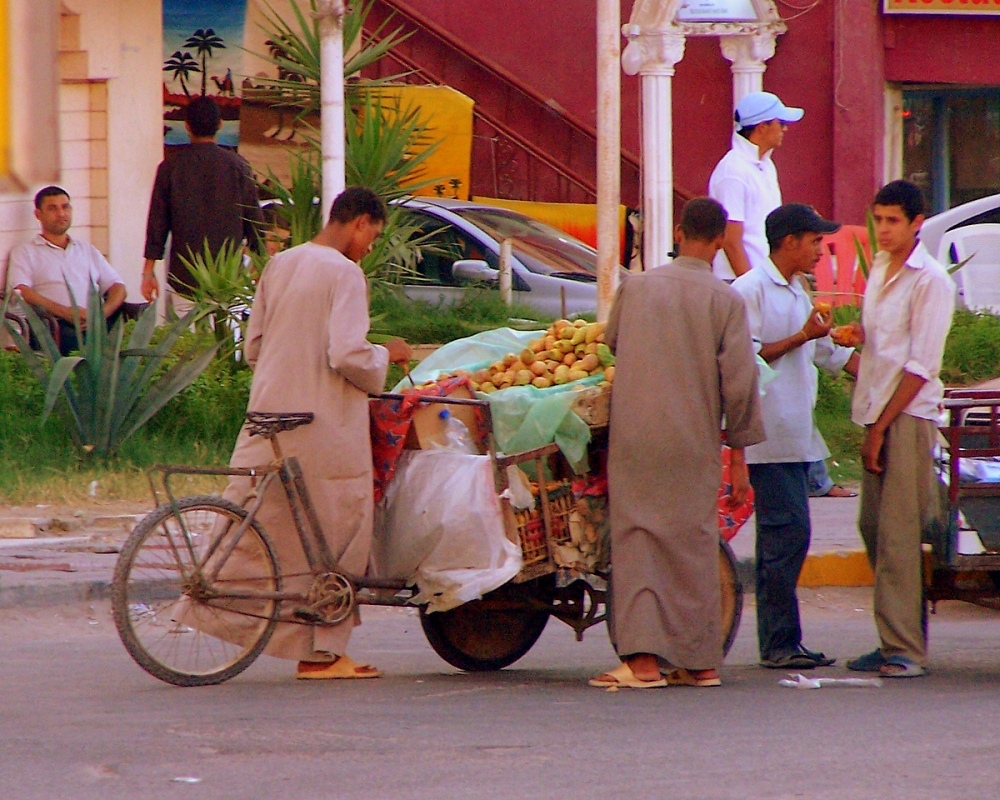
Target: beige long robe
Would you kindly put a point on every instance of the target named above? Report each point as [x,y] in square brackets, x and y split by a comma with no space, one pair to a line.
[684,359]
[306,343]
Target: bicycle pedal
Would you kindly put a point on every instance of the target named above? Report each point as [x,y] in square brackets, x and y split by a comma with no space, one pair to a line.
[308,615]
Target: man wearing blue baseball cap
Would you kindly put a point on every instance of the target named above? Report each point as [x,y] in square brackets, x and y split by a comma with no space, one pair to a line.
[745,181]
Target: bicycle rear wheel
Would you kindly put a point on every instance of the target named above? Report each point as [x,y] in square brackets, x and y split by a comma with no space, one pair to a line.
[182,629]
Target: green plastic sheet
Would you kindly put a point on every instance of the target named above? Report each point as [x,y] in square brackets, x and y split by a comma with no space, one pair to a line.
[524,417]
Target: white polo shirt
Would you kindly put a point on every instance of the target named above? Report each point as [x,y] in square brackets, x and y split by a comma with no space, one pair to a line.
[48,269]
[777,309]
[906,322]
[747,187]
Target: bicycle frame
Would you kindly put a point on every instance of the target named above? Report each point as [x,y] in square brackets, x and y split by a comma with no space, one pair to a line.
[288,472]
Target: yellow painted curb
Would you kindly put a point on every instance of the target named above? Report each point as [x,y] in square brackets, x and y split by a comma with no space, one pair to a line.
[836,569]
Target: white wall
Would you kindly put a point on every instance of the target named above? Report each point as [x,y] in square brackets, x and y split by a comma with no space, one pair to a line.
[124,42]
[109,158]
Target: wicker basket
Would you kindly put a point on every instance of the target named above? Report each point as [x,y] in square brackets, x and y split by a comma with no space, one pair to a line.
[531,527]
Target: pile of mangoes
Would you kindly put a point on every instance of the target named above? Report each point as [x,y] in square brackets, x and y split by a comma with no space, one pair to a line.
[569,351]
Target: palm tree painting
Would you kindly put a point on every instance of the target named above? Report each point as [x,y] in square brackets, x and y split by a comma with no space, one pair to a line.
[204,41]
[182,65]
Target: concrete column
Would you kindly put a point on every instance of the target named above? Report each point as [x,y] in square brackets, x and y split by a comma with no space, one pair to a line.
[748,55]
[331,44]
[653,56]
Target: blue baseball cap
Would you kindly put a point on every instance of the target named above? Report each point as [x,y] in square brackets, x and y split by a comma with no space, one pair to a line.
[758,107]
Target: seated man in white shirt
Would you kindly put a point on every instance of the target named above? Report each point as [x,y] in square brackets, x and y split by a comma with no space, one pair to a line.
[45,270]
[793,338]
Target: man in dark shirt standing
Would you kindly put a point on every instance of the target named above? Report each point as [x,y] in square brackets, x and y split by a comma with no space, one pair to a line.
[203,191]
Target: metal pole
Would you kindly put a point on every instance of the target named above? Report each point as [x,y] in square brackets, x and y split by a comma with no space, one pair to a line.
[506,253]
[331,52]
[608,152]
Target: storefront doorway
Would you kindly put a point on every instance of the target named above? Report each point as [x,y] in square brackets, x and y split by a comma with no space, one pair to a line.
[951,143]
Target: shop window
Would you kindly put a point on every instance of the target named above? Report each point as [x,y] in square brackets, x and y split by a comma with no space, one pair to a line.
[951,143]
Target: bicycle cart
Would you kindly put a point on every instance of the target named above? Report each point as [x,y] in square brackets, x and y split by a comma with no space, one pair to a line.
[188,617]
[962,554]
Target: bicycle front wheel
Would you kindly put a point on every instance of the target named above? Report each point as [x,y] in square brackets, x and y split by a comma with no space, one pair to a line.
[179,626]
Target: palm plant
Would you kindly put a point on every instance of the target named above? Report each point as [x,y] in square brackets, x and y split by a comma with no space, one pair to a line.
[294,50]
[181,65]
[204,41]
[109,391]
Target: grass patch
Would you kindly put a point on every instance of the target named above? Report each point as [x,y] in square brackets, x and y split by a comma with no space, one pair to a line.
[199,426]
[833,418]
[423,323]
[972,352]
[40,464]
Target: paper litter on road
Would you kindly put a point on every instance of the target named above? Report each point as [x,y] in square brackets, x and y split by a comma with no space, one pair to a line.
[799,681]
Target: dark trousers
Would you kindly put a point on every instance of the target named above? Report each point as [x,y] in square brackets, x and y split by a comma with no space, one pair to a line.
[782,507]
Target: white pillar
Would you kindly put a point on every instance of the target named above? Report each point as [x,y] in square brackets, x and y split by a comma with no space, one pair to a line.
[609,157]
[748,54]
[331,34]
[653,56]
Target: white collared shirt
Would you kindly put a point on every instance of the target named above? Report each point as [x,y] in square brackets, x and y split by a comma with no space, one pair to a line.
[906,323]
[747,186]
[47,269]
[777,309]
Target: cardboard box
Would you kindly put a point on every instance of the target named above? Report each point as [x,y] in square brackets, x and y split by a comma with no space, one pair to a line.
[428,427]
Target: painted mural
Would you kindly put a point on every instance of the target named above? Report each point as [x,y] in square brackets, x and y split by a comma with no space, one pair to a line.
[202,54]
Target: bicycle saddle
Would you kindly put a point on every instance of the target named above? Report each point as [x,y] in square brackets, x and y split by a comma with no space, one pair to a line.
[268,423]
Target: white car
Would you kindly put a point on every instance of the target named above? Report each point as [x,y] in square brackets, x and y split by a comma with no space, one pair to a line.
[969,232]
[553,272]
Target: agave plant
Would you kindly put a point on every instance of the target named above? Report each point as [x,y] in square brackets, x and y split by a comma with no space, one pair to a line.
[110,391]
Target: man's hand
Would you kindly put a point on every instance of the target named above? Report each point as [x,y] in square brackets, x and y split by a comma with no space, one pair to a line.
[399,351]
[871,450]
[739,479]
[150,287]
[849,335]
[817,325]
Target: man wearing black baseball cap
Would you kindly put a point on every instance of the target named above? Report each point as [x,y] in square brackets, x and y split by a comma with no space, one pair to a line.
[793,338]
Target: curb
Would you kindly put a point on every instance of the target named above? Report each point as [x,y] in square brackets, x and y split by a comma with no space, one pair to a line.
[33,527]
[822,569]
[838,568]
[59,595]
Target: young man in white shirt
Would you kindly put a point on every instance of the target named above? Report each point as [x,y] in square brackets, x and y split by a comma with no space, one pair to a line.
[45,270]
[908,307]
[791,336]
[745,181]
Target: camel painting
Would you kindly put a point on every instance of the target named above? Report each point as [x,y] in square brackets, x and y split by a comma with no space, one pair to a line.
[202,45]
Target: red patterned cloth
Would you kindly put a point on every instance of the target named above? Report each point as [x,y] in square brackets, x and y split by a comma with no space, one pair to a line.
[730,521]
[390,423]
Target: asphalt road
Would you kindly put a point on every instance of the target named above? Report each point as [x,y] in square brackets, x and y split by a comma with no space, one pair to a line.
[79,720]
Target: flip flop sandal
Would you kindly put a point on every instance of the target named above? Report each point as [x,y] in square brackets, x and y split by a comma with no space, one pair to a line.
[840,491]
[685,677]
[791,661]
[869,662]
[342,669]
[901,667]
[623,677]
[820,659]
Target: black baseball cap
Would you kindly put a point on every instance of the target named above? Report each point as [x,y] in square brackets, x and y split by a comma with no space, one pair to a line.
[793,218]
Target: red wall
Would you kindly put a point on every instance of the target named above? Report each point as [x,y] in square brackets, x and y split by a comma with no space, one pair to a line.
[831,159]
[930,49]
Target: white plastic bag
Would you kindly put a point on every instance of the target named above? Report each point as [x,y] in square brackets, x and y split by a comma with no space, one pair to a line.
[443,527]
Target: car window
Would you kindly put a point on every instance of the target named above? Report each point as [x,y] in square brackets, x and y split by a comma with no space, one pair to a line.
[446,246]
[540,247]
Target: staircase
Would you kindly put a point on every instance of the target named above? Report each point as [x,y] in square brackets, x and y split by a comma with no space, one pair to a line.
[524,146]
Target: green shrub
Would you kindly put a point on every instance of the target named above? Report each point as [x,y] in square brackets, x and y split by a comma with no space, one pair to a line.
[972,352]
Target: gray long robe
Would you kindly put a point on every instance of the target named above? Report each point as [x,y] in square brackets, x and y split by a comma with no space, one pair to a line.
[306,342]
[684,359]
